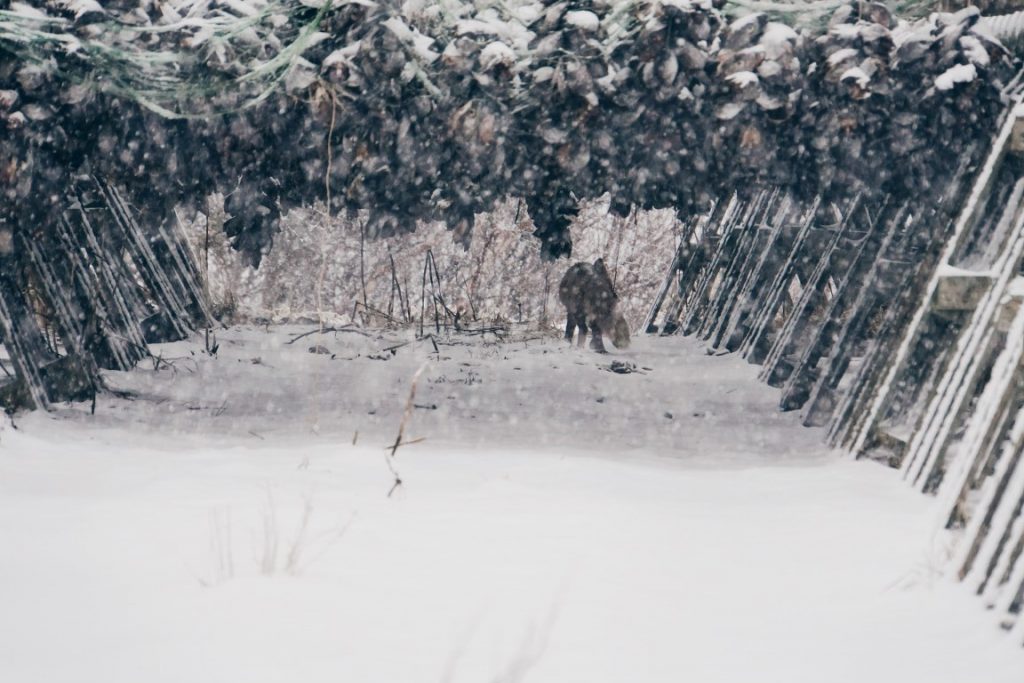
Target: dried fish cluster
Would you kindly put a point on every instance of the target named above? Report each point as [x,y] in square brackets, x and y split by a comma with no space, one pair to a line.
[659,103]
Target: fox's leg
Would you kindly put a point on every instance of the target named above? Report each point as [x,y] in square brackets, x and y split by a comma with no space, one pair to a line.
[581,321]
[596,341]
[570,327]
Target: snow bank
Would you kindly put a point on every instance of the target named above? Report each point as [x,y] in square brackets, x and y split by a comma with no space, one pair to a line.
[485,562]
[232,524]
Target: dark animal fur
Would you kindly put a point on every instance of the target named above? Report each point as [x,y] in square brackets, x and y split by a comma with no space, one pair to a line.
[589,298]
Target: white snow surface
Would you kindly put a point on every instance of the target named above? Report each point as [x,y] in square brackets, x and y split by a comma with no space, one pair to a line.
[342,55]
[849,31]
[1016,287]
[842,55]
[559,523]
[960,73]
[583,19]
[743,22]
[742,79]
[81,7]
[729,110]
[778,39]
[421,44]
[857,74]
[496,53]
[487,22]
[975,50]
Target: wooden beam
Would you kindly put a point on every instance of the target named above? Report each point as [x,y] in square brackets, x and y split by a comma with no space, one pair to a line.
[960,291]
[1016,145]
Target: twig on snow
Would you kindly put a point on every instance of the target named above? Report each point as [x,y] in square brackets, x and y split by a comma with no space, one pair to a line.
[409,403]
[396,347]
[343,328]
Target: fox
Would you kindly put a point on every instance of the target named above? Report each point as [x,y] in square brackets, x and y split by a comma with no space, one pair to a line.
[589,298]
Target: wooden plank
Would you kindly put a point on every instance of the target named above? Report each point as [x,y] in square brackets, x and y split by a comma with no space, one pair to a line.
[777,365]
[759,341]
[23,340]
[768,264]
[960,291]
[967,218]
[755,242]
[720,256]
[846,323]
[951,394]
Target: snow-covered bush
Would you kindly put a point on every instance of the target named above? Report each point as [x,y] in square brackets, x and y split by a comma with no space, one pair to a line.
[501,276]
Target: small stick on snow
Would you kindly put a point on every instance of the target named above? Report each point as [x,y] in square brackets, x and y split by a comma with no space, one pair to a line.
[401,430]
[343,328]
[396,346]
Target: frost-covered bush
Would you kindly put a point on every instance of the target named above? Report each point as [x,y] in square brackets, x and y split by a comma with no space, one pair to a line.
[500,277]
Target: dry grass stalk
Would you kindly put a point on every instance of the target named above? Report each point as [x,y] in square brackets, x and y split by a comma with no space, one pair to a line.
[406,414]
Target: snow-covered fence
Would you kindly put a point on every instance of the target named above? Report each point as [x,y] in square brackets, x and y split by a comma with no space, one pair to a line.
[896,324]
[949,407]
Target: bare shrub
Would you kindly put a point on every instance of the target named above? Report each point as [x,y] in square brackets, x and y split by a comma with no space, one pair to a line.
[501,277]
[275,551]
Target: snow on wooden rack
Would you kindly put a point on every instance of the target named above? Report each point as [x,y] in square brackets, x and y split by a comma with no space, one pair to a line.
[912,356]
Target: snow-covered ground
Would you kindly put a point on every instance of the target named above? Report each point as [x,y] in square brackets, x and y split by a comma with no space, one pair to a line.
[558,522]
